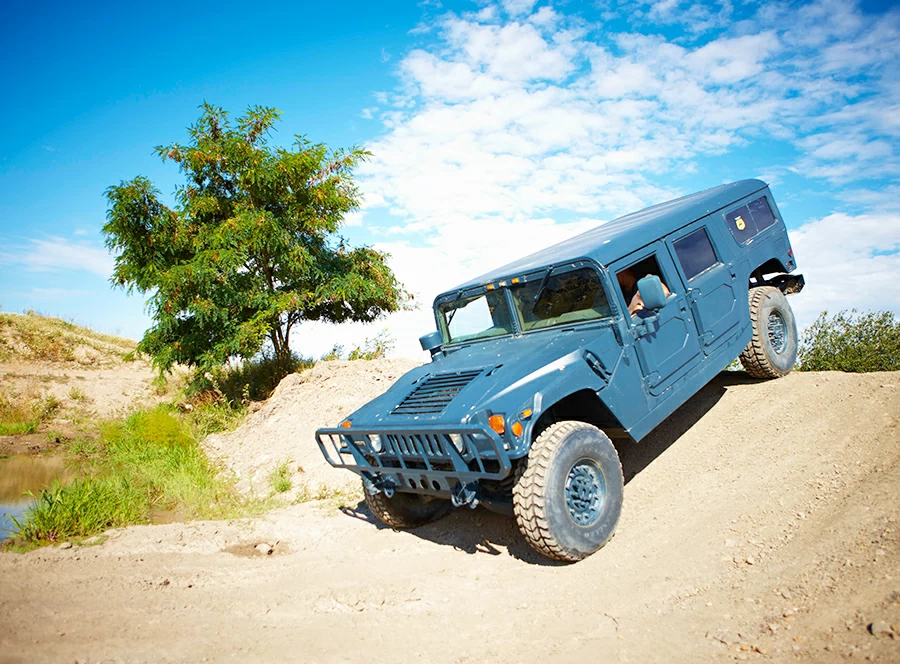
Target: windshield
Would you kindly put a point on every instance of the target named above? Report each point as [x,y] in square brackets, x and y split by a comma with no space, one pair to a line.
[567,297]
[478,317]
[560,298]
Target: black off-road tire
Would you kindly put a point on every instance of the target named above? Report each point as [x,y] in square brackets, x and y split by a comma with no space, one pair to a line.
[405,510]
[545,501]
[771,352]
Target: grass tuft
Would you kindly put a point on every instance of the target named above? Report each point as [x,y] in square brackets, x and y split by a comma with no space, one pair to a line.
[280,478]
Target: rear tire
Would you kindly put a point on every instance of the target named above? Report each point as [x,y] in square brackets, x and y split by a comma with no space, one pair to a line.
[405,510]
[568,501]
[772,350]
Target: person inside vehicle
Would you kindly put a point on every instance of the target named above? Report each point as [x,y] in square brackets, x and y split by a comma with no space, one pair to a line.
[628,283]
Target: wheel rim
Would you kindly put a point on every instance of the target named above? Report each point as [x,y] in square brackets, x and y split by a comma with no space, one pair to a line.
[777,332]
[585,492]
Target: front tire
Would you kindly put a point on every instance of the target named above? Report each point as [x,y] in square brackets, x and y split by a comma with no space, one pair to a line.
[405,510]
[568,501]
[772,350]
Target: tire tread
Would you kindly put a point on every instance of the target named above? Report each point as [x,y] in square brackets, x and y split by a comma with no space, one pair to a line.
[529,500]
[754,357]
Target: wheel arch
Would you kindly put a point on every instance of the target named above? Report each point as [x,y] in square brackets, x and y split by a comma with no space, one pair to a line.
[584,406]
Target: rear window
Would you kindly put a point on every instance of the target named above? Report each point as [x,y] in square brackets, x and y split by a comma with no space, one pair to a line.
[695,253]
[748,220]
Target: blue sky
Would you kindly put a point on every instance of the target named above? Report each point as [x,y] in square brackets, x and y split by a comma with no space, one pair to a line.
[496,128]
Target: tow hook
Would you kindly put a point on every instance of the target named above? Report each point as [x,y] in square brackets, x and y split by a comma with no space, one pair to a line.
[465,495]
[379,484]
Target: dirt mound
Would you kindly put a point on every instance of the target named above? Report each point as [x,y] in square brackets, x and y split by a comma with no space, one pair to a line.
[282,429]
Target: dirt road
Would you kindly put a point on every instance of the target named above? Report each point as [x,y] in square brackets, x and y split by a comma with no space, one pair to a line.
[761,522]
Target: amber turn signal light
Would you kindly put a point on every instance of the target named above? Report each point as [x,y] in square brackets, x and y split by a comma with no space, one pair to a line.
[346,424]
[496,423]
[516,428]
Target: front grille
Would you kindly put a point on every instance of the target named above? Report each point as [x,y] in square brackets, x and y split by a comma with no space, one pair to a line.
[433,395]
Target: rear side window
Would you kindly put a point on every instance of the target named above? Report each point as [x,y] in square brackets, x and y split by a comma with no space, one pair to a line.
[761,213]
[750,219]
[695,253]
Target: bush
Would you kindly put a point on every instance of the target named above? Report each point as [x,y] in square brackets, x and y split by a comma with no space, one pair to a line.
[852,342]
[250,380]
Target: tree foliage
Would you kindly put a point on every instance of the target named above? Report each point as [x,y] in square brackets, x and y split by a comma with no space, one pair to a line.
[852,342]
[250,248]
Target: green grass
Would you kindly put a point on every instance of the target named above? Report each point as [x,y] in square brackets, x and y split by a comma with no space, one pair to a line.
[280,478]
[23,414]
[149,461]
[215,417]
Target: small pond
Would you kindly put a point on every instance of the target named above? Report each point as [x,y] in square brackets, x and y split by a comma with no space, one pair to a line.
[19,474]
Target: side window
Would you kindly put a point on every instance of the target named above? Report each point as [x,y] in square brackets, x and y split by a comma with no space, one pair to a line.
[740,223]
[762,213]
[629,277]
[750,219]
[695,253]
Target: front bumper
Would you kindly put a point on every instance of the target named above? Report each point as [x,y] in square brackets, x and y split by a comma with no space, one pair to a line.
[423,460]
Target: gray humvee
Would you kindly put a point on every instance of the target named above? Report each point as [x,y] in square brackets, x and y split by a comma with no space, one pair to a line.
[537,365]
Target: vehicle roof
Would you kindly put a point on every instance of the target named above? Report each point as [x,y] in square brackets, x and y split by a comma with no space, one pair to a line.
[612,240]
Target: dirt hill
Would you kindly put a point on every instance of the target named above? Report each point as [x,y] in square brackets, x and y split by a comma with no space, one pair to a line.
[61,376]
[760,523]
[282,429]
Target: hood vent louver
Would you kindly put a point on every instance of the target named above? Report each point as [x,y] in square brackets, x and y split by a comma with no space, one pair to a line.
[432,395]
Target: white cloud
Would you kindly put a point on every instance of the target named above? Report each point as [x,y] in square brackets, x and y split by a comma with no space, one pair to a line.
[518,7]
[57,253]
[848,262]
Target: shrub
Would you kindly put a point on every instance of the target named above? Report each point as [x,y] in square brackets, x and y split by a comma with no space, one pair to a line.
[852,342]
[250,380]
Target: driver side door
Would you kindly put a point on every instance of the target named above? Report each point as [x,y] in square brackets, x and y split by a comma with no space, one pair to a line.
[666,345]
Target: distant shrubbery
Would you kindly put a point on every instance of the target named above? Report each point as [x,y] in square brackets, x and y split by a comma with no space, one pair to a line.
[852,342]
[375,348]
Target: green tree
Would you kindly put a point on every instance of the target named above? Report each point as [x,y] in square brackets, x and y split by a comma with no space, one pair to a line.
[250,248]
[852,342]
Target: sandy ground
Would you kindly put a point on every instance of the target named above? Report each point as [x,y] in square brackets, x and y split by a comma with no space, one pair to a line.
[761,522]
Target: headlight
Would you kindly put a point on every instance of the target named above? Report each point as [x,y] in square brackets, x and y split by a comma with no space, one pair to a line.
[375,441]
[458,442]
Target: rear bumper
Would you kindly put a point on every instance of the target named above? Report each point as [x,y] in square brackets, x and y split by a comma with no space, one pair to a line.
[789,284]
[418,460]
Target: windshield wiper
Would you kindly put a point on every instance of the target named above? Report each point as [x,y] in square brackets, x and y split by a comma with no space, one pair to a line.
[453,313]
[541,288]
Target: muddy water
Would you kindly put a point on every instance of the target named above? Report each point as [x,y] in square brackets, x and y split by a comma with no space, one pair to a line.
[19,474]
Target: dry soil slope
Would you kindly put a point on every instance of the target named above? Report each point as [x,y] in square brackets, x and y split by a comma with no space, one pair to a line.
[283,428]
[760,522]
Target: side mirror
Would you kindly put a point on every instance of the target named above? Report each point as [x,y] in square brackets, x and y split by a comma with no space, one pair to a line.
[432,342]
[652,292]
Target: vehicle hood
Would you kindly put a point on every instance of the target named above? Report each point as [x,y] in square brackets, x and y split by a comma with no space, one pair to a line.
[494,374]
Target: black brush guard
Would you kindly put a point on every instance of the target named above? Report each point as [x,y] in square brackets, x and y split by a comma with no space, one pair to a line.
[422,460]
